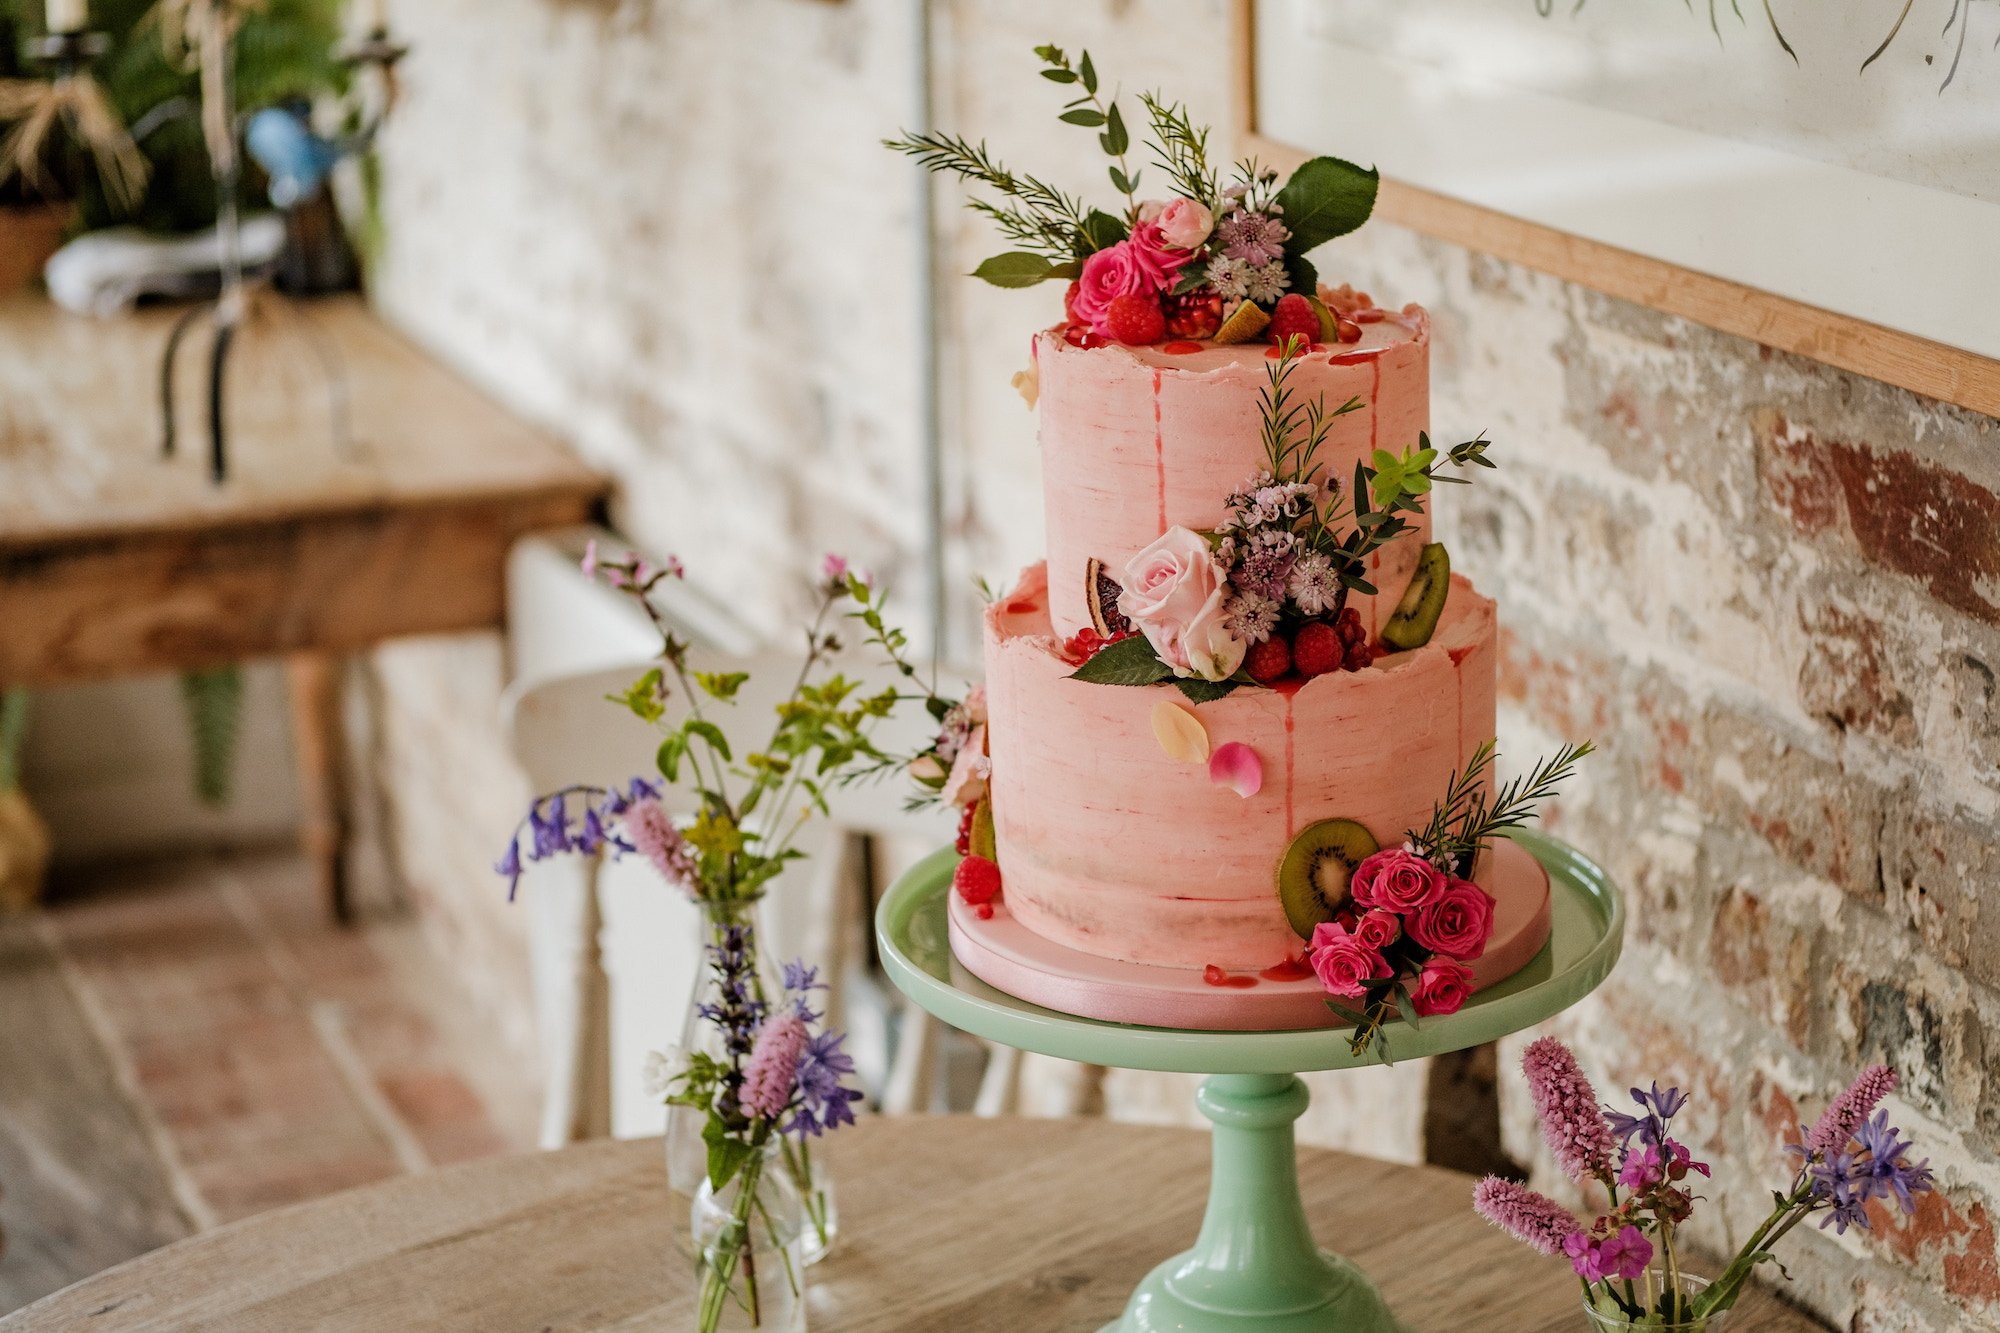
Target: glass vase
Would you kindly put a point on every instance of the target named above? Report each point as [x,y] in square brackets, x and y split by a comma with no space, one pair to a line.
[749,1252]
[808,1173]
[687,1155]
[1610,1319]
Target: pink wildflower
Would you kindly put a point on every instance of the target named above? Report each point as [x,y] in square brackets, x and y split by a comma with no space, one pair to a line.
[1567,1106]
[653,835]
[834,568]
[1845,1114]
[1532,1218]
[773,1071]
[590,558]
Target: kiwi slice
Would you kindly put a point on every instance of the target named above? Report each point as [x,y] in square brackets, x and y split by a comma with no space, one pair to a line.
[1101,593]
[1312,879]
[1416,617]
[1329,325]
[979,839]
[1245,322]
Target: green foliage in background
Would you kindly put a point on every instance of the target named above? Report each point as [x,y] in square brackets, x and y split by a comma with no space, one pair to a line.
[214,702]
[286,49]
[13,735]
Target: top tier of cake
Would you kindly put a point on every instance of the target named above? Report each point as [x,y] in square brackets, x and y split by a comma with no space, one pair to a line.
[1136,440]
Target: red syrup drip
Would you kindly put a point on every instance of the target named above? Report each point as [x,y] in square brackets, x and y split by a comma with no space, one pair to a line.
[1215,976]
[1294,968]
[1159,454]
[1288,689]
[1374,408]
[1181,348]
[1020,606]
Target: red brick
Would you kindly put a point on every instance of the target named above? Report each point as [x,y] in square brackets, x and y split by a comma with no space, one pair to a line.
[1848,677]
[1899,511]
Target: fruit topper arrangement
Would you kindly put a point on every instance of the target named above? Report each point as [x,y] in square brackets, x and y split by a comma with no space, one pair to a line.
[1223,262]
[1263,596]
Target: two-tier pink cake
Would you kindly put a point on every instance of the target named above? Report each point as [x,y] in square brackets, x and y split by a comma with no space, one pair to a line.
[1147,877]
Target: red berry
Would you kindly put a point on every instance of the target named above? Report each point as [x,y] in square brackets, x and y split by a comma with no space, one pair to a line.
[1316,649]
[1347,330]
[1292,317]
[1362,655]
[1079,335]
[1214,975]
[984,911]
[964,843]
[1196,314]
[977,880]
[1348,627]
[1269,660]
[1135,320]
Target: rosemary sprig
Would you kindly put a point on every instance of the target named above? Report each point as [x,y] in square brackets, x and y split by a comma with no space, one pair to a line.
[1457,840]
[1182,150]
[1040,217]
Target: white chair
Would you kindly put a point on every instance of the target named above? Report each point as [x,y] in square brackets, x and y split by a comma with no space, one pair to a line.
[614,956]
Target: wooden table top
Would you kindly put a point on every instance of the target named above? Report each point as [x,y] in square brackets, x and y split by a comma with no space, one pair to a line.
[948,1223]
[114,560]
[80,425]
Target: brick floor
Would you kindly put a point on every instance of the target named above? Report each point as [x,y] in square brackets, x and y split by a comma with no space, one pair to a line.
[264,1056]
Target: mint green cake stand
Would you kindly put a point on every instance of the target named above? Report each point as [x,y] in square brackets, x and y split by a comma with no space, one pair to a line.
[1255,1267]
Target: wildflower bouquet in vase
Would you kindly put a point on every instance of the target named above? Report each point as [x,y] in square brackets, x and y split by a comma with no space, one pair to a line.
[780,1079]
[1628,1259]
[749,799]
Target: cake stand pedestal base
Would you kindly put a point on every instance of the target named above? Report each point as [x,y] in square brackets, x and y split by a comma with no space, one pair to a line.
[1255,1266]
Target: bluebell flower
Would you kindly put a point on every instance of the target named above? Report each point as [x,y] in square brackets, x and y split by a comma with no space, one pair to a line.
[509,865]
[1883,1172]
[825,1101]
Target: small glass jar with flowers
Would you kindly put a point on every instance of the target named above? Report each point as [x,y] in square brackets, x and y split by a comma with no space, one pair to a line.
[1628,1259]
[745,804]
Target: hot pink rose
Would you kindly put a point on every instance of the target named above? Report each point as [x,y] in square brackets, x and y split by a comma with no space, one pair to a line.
[1443,987]
[1378,929]
[1159,257]
[1174,595]
[1456,923]
[1116,270]
[1397,879]
[1185,223]
[1343,964]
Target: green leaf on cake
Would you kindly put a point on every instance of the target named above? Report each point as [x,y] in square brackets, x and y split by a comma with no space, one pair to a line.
[1354,1018]
[1127,662]
[1203,691]
[1100,229]
[1326,197]
[1303,277]
[1018,268]
[1405,1005]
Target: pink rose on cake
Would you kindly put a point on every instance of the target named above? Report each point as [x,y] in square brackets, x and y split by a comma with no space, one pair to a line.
[1159,258]
[1457,923]
[1174,595]
[1397,879]
[1442,987]
[1378,929]
[1183,223]
[1116,270]
[1343,964]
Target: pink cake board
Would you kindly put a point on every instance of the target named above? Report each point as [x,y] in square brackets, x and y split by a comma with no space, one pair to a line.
[1008,956]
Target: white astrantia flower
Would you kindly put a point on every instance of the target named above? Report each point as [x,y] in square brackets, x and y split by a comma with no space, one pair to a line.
[1267,282]
[662,1070]
[1313,584]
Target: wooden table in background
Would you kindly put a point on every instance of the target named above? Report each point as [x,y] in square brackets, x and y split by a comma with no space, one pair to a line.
[116,561]
[948,1223]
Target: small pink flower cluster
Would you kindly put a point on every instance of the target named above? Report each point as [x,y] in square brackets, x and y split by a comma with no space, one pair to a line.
[1412,923]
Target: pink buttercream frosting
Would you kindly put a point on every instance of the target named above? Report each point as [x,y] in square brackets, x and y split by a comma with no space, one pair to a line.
[1109,847]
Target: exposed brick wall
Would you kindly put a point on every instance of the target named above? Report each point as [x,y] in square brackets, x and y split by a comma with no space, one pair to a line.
[1769,590]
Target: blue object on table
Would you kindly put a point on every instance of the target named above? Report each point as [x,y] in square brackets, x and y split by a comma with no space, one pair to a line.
[297,158]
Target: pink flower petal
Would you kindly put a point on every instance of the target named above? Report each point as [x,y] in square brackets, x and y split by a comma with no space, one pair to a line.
[1236,766]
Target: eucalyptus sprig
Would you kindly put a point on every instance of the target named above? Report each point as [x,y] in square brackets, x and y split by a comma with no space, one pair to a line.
[1093,112]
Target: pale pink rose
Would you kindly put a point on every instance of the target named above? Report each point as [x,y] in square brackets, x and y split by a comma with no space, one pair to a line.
[1174,591]
[1397,879]
[1343,964]
[1157,257]
[1115,270]
[1443,987]
[969,771]
[1183,223]
[1150,209]
[974,704]
[1457,923]
[1378,929]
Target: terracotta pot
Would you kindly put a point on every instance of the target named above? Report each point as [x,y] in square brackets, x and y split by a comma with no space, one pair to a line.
[24,852]
[29,234]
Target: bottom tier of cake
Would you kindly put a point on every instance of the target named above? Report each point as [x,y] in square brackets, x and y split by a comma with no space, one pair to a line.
[1004,953]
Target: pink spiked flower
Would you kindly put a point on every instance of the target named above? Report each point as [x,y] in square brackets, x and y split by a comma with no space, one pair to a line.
[773,1071]
[653,835]
[1848,1112]
[1566,1104]
[1532,1218]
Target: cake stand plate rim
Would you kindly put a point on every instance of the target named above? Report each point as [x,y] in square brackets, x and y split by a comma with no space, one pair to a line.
[1586,937]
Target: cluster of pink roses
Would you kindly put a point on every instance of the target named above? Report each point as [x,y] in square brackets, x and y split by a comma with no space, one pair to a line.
[1410,922]
[1147,263]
